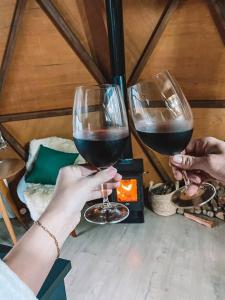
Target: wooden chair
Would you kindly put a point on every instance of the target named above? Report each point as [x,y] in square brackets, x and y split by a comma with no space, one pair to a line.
[9,168]
[7,221]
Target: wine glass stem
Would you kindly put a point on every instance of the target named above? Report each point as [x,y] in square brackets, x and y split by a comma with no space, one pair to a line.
[186,179]
[105,197]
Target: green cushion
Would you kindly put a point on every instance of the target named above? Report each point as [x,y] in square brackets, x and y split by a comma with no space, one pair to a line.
[47,165]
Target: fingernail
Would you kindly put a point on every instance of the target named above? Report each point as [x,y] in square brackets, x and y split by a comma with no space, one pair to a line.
[177,159]
[118,176]
[110,170]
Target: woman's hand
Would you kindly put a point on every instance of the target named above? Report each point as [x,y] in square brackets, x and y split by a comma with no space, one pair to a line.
[33,256]
[202,159]
[77,185]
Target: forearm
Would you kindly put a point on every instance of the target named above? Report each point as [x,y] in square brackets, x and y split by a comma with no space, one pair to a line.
[35,253]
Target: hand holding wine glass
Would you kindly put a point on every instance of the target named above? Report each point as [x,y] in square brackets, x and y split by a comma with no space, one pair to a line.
[164,121]
[100,131]
[203,159]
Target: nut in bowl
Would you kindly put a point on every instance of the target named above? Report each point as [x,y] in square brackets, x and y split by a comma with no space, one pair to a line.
[160,196]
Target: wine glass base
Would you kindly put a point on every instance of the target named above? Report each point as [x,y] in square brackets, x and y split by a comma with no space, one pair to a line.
[102,214]
[205,193]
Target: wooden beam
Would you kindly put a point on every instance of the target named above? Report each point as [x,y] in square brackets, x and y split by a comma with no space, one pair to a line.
[60,23]
[154,38]
[13,142]
[68,110]
[195,103]
[207,103]
[217,8]
[36,115]
[11,41]
[92,15]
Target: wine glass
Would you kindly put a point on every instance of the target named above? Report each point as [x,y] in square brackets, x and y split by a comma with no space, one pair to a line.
[100,131]
[163,119]
[3,143]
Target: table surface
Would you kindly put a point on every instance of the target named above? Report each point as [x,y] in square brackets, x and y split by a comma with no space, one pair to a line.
[166,258]
[10,167]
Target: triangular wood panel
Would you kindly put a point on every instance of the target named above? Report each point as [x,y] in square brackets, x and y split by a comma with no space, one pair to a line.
[6,12]
[44,70]
[140,19]
[193,51]
[87,19]
[70,9]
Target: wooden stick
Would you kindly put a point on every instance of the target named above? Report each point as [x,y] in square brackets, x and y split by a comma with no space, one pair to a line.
[209,224]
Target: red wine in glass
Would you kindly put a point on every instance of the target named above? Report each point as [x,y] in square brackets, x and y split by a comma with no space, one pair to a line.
[164,139]
[101,148]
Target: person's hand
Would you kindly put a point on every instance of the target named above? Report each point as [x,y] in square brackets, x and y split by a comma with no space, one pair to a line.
[202,159]
[77,185]
[74,186]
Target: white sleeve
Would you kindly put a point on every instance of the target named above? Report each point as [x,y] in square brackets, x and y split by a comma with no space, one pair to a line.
[11,287]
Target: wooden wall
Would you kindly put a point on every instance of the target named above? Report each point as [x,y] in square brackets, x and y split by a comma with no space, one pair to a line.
[44,70]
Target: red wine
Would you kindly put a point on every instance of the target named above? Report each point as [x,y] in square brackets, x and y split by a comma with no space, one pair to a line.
[166,142]
[101,148]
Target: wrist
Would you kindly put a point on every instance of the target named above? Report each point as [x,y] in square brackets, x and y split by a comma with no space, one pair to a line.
[69,211]
[59,224]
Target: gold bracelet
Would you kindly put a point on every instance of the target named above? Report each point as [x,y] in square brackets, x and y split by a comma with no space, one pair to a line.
[51,235]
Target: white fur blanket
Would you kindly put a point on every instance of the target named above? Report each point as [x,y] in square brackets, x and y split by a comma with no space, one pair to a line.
[38,196]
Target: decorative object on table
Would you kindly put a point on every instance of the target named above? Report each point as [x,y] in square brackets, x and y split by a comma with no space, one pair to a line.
[37,196]
[160,195]
[130,191]
[9,168]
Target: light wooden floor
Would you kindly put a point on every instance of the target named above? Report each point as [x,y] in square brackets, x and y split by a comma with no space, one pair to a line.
[166,258]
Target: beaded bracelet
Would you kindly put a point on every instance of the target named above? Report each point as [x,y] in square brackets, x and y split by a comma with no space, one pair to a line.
[51,235]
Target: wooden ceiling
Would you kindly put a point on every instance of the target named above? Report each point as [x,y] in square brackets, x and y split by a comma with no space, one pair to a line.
[94,54]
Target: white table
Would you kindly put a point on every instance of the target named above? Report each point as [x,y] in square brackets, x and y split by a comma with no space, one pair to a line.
[166,258]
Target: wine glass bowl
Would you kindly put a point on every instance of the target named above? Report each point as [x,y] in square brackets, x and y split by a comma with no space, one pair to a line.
[100,132]
[162,118]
